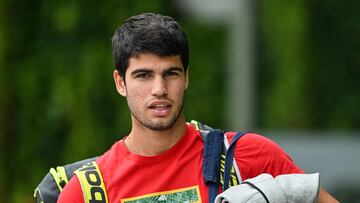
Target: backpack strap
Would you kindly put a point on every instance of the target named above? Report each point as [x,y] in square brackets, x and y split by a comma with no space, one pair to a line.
[235,176]
[53,183]
[92,183]
[229,160]
[219,165]
[211,161]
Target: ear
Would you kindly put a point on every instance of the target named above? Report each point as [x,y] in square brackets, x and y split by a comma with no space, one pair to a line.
[187,79]
[119,83]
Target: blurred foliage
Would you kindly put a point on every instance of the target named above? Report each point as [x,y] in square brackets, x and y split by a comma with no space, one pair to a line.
[308,64]
[284,72]
[58,103]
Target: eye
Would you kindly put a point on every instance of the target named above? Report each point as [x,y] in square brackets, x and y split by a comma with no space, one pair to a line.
[142,75]
[171,73]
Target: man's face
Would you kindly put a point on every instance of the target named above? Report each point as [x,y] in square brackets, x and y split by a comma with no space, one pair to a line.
[154,87]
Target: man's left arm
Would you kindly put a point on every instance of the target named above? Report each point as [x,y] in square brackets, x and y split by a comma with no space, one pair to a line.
[268,157]
[325,197]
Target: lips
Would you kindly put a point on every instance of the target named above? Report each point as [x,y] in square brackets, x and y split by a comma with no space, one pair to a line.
[160,107]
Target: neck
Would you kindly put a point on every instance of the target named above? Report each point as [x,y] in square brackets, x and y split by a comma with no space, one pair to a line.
[146,142]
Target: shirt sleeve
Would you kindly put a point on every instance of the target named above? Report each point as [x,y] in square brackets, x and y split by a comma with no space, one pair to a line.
[256,154]
[72,192]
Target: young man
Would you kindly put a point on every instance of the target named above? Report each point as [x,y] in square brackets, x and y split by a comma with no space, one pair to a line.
[161,158]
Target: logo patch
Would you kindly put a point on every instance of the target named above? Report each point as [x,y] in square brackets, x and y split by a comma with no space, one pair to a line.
[183,195]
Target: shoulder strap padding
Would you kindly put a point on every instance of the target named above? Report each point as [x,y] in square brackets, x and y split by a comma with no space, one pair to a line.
[47,190]
[219,166]
[92,183]
[234,172]
[212,155]
[52,184]
[213,145]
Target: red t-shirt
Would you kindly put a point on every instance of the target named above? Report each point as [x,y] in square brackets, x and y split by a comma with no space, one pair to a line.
[177,173]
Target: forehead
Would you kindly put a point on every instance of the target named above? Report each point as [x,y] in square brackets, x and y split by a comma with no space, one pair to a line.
[154,62]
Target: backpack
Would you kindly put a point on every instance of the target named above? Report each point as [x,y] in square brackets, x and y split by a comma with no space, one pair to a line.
[219,168]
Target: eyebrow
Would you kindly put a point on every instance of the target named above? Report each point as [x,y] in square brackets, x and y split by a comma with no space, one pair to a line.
[176,68]
[141,70]
[147,70]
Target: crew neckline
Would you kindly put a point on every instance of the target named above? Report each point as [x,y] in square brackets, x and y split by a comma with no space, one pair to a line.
[165,155]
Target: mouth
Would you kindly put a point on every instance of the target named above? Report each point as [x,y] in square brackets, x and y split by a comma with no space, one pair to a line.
[160,106]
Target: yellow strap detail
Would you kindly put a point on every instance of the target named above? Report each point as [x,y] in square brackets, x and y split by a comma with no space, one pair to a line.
[35,192]
[233,176]
[62,173]
[196,124]
[92,183]
[56,177]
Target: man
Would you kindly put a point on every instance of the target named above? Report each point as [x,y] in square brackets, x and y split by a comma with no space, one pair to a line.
[161,158]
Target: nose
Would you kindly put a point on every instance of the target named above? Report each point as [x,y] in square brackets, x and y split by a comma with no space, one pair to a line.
[159,87]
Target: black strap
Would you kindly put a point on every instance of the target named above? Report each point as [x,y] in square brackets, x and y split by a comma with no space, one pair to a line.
[258,189]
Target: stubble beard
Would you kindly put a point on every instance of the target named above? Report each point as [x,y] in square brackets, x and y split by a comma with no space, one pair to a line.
[161,125]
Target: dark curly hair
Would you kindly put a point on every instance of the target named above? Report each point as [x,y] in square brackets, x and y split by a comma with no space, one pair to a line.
[148,33]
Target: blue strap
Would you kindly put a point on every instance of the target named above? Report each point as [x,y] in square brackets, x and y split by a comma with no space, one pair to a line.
[211,162]
[229,159]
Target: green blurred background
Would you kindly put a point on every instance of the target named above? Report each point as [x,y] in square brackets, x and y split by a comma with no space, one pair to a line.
[58,103]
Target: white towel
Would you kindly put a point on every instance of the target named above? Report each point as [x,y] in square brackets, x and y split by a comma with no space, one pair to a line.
[289,188]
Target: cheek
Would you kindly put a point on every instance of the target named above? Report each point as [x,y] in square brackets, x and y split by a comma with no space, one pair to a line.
[137,93]
[178,90]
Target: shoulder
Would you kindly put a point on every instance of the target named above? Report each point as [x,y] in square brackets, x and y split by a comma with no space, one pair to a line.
[258,143]
[111,154]
[255,143]
[72,192]
[109,161]
[256,154]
